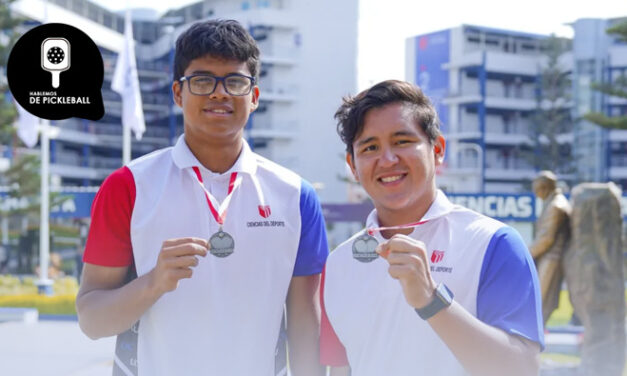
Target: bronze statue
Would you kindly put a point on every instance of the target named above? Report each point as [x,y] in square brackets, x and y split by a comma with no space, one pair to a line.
[551,239]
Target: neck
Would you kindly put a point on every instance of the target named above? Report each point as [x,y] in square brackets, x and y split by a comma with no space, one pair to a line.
[397,217]
[217,157]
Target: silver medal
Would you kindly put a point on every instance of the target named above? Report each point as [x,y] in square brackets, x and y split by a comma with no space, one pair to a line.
[364,248]
[222,244]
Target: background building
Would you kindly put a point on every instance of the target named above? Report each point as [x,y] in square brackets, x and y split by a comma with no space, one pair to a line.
[486,85]
[301,85]
[598,57]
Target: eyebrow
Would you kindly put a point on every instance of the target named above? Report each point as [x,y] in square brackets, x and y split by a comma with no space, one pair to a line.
[213,74]
[404,133]
[396,134]
[203,72]
[368,140]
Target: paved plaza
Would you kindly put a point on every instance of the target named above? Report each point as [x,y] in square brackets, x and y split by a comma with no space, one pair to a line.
[52,348]
[59,348]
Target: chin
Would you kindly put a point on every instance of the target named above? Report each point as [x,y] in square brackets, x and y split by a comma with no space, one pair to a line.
[395,205]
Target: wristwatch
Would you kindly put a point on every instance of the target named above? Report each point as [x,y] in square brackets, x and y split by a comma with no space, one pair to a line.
[442,299]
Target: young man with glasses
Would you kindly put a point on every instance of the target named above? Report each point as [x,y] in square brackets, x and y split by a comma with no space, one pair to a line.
[190,287]
[428,288]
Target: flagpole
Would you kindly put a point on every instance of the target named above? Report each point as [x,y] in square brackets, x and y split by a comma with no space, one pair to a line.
[126,128]
[125,81]
[44,285]
[126,144]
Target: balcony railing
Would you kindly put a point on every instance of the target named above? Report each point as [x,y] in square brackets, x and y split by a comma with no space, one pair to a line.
[74,159]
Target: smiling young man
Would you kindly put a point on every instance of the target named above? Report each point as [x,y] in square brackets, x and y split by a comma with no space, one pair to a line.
[428,288]
[190,287]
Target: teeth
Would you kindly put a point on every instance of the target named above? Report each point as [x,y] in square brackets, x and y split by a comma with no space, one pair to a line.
[218,111]
[391,178]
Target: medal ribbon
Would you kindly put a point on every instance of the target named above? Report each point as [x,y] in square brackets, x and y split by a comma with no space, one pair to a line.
[371,230]
[220,213]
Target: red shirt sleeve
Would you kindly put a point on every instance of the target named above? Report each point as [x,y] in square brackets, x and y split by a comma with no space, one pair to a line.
[332,352]
[109,239]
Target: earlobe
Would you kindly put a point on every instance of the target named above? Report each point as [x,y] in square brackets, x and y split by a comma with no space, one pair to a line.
[176,93]
[439,148]
[255,99]
[349,162]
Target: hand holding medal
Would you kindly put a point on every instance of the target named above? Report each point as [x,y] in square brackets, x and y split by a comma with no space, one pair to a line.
[366,245]
[175,262]
[410,265]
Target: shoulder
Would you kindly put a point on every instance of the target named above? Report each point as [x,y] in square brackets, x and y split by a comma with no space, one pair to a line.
[153,160]
[120,182]
[472,223]
[561,203]
[267,169]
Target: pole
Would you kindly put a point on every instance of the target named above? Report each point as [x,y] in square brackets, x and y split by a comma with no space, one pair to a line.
[126,143]
[44,285]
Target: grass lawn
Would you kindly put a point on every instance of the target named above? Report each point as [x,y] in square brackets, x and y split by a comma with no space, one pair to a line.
[561,316]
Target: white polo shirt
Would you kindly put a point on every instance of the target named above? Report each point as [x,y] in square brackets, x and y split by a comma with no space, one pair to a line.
[368,324]
[225,320]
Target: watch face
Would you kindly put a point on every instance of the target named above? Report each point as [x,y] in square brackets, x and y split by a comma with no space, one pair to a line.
[443,298]
[444,293]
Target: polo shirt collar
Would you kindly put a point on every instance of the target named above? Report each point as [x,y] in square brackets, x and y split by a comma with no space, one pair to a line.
[184,158]
[440,207]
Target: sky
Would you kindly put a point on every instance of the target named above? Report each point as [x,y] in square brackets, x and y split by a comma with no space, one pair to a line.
[385,24]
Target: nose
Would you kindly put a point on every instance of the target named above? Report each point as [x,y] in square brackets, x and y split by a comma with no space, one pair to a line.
[220,90]
[388,157]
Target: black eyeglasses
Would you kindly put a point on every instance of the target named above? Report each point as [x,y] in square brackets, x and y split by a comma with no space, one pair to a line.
[204,84]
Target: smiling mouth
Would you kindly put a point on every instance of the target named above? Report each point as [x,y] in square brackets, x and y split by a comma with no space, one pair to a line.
[219,111]
[392,179]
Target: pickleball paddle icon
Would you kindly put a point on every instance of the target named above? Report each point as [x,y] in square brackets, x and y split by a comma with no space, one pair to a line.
[55,57]
[75,63]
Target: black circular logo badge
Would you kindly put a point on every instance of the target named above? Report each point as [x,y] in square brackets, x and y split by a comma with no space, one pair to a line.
[55,72]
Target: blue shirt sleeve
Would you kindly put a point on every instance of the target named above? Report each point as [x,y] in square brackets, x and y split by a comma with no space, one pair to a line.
[313,248]
[509,293]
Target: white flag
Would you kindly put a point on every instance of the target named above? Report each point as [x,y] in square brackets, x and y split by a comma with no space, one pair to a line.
[27,126]
[126,82]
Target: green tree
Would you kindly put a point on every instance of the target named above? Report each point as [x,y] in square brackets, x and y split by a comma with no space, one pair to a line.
[617,88]
[23,175]
[8,35]
[552,115]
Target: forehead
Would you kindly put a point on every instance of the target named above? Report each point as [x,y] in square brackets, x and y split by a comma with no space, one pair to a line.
[389,120]
[216,65]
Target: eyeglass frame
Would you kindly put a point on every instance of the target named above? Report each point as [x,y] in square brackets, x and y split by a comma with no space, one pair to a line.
[218,80]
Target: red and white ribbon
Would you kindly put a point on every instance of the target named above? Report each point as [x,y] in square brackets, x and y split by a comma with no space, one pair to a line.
[219,210]
[371,230]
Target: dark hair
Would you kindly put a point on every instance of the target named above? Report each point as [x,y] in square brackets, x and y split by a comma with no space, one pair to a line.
[225,39]
[351,114]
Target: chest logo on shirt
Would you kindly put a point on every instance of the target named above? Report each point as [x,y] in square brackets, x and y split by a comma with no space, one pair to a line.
[264,210]
[436,257]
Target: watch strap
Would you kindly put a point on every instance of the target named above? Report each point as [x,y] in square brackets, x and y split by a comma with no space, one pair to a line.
[442,298]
